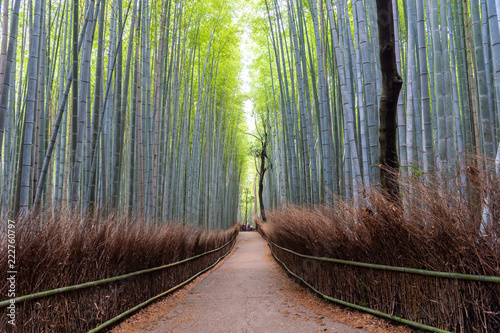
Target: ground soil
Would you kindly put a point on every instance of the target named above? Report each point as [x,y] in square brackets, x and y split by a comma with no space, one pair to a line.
[250,292]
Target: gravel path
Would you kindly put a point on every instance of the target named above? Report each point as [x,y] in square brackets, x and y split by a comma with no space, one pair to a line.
[249,292]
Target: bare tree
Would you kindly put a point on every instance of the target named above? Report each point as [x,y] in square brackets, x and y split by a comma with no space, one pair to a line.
[260,153]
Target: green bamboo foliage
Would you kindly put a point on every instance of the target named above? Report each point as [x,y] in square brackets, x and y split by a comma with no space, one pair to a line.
[145,125]
[132,106]
[448,106]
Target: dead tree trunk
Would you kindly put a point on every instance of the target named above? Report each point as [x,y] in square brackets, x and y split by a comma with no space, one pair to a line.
[262,171]
[261,152]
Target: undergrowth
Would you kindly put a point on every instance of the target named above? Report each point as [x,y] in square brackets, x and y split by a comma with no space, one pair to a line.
[440,228]
[61,250]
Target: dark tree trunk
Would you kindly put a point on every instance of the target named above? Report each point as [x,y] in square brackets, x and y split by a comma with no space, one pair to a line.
[391,86]
[262,171]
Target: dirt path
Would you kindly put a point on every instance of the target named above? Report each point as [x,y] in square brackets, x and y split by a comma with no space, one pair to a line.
[249,292]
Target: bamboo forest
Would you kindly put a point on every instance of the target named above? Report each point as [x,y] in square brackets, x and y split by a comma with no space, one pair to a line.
[351,146]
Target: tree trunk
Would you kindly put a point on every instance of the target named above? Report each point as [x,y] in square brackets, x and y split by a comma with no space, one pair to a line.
[262,171]
[391,86]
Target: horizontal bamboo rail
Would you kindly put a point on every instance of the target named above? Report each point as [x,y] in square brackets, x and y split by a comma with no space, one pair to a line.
[143,304]
[480,278]
[56,291]
[362,308]
[470,277]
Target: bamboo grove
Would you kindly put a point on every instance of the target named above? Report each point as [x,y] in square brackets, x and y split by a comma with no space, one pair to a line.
[121,106]
[318,88]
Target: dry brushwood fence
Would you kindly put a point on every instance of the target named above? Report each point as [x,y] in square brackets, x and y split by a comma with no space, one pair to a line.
[437,232]
[57,254]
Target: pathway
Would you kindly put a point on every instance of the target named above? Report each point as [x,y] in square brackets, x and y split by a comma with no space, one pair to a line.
[249,292]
